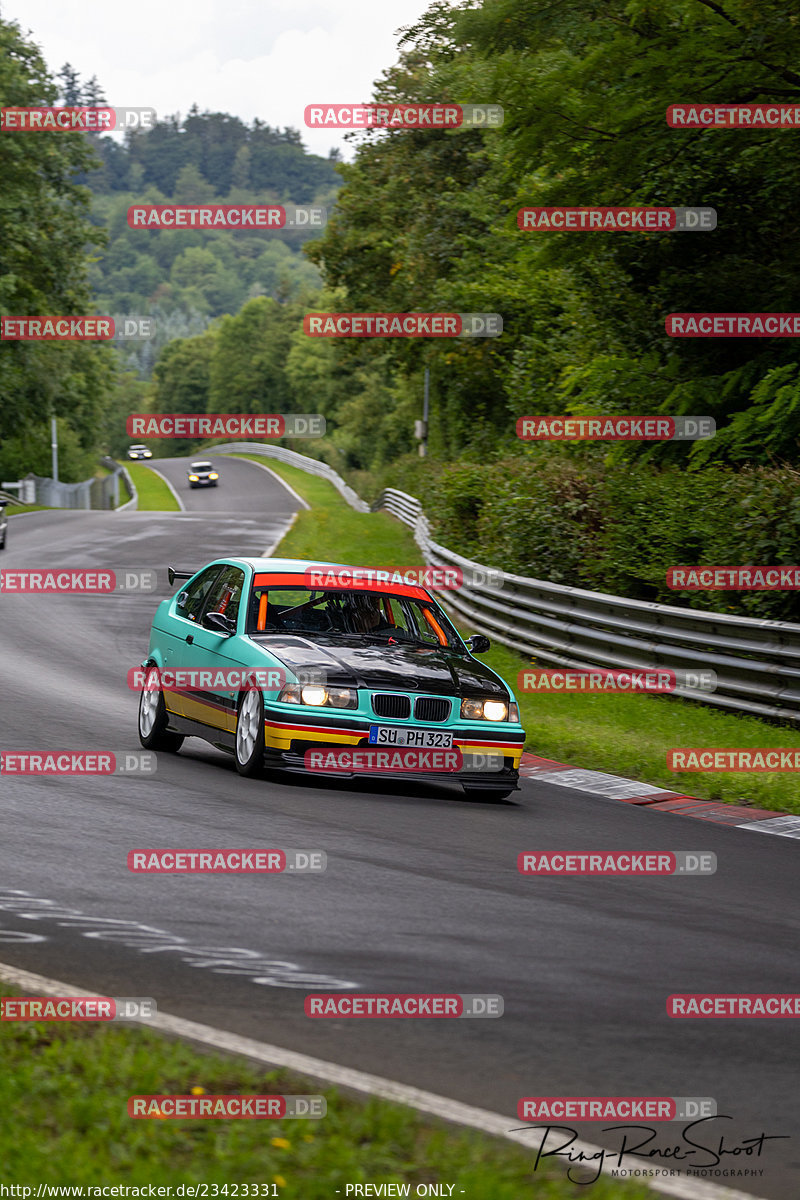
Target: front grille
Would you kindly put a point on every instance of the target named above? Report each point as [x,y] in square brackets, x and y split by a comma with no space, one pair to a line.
[432,708]
[390,704]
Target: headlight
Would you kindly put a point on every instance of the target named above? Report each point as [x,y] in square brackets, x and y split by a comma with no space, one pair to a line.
[193,478]
[213,475]
[148,453]
[319,697]
[484,710]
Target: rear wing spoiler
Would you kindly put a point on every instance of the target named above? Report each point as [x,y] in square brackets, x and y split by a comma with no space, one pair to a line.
[172,574]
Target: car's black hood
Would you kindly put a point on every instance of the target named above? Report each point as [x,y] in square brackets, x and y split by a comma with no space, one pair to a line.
[405,668]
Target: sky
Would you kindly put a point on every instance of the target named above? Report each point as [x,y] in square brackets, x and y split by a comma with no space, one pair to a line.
[251,58]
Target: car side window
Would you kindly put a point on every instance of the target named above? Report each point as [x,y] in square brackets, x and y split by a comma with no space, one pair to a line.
[226,594]
[191,601]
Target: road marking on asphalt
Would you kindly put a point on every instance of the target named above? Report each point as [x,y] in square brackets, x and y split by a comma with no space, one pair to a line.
[782,826]
[614,786]
[149,939]
[267,551]
[493,1124]
[277,478]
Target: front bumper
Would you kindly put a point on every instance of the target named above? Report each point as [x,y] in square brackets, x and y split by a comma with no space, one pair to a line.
[287,740]
[293,761]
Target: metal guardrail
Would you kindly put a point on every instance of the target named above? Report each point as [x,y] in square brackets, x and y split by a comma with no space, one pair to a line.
[406,508]
[757,662]
[111,489]
[55,494]
[88,493]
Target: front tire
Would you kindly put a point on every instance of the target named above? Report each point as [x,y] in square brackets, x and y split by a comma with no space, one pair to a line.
[153,718]
[250,735]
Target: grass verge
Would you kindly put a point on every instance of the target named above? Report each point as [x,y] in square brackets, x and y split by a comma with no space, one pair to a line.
[622,734]
[13,510]
[64,1090]
[154,495]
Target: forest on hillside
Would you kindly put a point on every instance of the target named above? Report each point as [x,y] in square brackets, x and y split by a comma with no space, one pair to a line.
[426,220]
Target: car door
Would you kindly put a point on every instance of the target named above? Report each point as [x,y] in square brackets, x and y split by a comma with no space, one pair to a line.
[213,652]
[190,606]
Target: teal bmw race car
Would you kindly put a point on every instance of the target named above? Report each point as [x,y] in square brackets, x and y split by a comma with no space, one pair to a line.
[270,658]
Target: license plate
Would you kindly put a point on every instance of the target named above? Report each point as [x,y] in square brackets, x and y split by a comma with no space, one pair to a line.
[428,739]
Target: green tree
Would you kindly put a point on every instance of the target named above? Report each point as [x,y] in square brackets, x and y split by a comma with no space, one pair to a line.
[248,369]
[44,234]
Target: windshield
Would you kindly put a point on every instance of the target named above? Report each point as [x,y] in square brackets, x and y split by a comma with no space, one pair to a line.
[350,614]
[201,466]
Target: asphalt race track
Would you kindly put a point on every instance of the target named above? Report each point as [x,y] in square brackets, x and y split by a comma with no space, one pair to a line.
[421,893]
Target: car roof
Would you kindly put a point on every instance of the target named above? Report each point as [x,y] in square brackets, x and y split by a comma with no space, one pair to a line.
[298,567]
[286,566]
[201,462]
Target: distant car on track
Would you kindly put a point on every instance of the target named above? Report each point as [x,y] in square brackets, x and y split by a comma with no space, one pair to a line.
[139,451]
[3,524]
[390,670]
[202,474]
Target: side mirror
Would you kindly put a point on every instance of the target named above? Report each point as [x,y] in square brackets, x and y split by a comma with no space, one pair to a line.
[219,623]
[479,643]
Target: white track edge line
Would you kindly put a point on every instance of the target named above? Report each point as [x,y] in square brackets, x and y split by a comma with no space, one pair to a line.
[267,551]
[276,476]
[482,1120]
